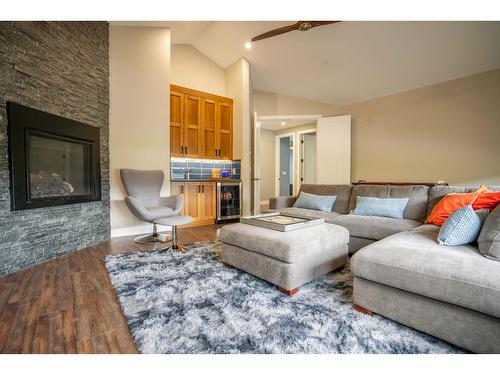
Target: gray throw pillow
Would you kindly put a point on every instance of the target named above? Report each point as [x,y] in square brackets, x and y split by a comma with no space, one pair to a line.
[489,237]
[315,202]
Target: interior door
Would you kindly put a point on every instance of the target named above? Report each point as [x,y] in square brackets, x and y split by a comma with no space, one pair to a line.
[285,166]
[176,124]
[225,131]
[209,128]
[333,150]
[308,158]
[256,166]
[192,126]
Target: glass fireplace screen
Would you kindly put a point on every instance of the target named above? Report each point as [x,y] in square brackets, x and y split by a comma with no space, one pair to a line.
[58,167]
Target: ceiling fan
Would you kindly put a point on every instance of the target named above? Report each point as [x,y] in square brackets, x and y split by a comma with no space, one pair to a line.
[300,25]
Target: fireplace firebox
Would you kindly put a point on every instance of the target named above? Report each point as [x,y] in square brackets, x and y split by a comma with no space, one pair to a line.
[53,160]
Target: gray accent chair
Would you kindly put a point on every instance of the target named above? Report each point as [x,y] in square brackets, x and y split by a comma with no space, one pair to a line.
[144,201]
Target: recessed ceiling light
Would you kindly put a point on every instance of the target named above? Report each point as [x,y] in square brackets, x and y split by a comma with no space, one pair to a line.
[248,45]
[283,123]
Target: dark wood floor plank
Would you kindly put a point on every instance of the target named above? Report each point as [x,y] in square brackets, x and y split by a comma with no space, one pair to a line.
[68,305]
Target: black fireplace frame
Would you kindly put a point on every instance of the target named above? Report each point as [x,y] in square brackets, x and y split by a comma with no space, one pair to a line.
[23,121]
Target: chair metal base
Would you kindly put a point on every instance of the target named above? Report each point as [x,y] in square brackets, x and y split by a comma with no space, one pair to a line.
[149,239]
[175,247]
[153,238]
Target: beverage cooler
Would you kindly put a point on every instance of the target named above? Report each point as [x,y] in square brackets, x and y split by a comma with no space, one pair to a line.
[228,201]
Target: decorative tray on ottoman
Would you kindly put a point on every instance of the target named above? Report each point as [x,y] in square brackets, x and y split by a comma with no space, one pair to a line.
[281,222]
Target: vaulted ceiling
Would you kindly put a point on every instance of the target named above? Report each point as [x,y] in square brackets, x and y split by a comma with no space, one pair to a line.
[348,62]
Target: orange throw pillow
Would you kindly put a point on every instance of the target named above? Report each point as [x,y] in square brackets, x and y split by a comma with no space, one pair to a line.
[488,200]
[450,203]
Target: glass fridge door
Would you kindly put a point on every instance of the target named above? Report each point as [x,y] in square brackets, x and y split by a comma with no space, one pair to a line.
[229,201]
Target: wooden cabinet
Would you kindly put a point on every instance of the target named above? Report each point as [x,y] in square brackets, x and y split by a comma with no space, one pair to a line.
[225,131]
[201,124]
[176,124]
[199,200]
[209,131]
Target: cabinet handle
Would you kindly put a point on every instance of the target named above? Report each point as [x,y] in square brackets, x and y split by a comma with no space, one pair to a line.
[182,189]
[199,189]
[203,189]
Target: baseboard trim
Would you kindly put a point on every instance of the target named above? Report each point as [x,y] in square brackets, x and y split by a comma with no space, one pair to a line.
[136,230]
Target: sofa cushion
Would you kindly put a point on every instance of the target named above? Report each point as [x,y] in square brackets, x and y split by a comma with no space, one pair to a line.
[308,213]
[436,193]
[315,202]
[372,227]
[343,193]
[489,237]
[416,209]
[413,261]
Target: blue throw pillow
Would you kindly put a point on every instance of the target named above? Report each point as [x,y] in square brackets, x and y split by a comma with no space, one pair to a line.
[385,207]
[315,202]
[462,227]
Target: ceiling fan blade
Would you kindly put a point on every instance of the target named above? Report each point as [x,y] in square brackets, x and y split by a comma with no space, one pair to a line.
[320,23]
[278,31]
[286,29]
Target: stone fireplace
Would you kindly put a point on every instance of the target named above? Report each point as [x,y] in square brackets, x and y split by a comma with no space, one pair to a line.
[62,69]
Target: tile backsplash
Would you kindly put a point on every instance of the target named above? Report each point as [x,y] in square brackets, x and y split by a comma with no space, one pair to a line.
[201,169]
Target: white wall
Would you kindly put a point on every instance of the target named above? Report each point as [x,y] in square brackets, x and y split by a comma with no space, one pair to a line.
[139,112]
[269,104]
[190,68]
[238,87]
[448,131]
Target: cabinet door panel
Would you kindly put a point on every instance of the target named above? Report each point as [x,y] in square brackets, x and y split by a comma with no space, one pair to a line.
[177,188]
[191,200]
[176,123]
[225,116]
[192,125]
[225,131]
[209,128]
[208,204]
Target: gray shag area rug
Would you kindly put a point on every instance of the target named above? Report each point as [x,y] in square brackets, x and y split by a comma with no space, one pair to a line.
[191,303]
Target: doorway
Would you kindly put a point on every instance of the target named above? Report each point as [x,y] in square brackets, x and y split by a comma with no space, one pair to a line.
[265,159]
[285,163]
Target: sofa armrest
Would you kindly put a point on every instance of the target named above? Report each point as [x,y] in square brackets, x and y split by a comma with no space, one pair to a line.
[281,202]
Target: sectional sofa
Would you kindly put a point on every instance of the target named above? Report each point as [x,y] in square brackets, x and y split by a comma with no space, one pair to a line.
[401,272]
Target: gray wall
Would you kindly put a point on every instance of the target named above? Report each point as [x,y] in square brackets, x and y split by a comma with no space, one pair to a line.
[61,68]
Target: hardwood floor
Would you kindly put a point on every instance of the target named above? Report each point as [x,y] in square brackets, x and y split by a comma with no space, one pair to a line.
[67,305]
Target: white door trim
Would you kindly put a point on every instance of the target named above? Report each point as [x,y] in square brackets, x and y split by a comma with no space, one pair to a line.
[277,162]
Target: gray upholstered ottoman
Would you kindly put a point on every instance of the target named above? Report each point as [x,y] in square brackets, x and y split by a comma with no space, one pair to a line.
[285,259]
